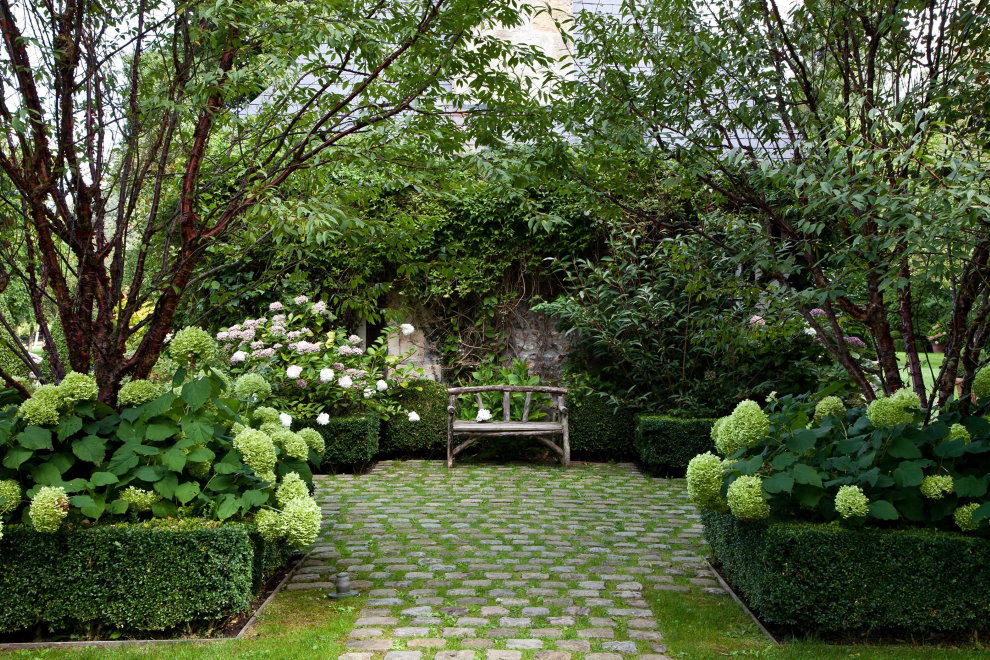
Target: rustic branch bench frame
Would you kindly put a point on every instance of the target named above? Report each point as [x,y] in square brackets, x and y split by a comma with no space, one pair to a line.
[542,431]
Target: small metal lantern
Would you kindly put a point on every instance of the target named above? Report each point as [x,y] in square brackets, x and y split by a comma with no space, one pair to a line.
[343,587]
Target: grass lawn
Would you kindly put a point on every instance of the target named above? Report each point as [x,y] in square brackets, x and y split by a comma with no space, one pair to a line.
[930,365]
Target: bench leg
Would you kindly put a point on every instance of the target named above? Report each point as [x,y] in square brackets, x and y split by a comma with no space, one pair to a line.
[565,458]
[450,447]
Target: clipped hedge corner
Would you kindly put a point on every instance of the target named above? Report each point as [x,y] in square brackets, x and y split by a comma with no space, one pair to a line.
[831,579]
[131,577]
[599,430]
[666,444]
[426,438]
[350,441]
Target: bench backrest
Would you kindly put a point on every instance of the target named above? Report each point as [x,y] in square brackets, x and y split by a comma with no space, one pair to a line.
[556,394]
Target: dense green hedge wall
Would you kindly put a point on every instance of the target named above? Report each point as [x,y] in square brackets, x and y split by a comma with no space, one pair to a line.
[830,579]
[351,441]
[598,429]
[149,576]
[666,444]
[426,438]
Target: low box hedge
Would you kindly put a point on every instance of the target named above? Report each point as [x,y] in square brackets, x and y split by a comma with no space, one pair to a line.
[426,438]
[599,430]
[131,577]
[666,444]
[351,442]
[831,579]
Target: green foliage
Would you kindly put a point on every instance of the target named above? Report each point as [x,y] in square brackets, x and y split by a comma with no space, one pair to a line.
[492,373]
[130,577]
[828,579]
[350,441]
[174,455]
[601,428]
[666,444]
[845,469]
[427,437]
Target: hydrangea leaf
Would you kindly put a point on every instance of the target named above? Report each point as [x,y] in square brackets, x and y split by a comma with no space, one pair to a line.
[227,506]
[197,392]
[174,459]
[981,512]
[103,479]
[68,426]
[903,447]
[950,448]
[200,431]
[908,474]
[805,474]
[35,437]
[167,485]
[970,486]
[75,485]
[145,450]
[802,441]
[883,510]
[150,473]
[16,456]
[187,491]
[253,498]
[164,509]
[117,507]
[47,474]
[200,455]
[90,448]
[161,430]
[779,483]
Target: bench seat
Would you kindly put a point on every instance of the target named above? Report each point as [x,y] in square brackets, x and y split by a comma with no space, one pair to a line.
[493,428]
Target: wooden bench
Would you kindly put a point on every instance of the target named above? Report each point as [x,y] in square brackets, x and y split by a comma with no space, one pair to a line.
[542,431]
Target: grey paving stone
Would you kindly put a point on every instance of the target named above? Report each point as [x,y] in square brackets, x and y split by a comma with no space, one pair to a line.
[403,655]
[496,654]
[427,643]
[524,644]
[621,647]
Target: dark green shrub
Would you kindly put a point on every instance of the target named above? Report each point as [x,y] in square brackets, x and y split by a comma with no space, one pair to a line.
[599,429]
[428,436]
[666,444]
[827,578]
[148,576]
[350,441]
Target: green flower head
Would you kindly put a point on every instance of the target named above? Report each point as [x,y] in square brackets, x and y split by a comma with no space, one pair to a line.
[78,387]
[49,507]
[981,383]
[704,481]
[252,387]
[829,406]
[295,446]
[138,499]
[269,524]
[301,519]
[10,492]
[292,487]
[957,431]
[258,452]
[138,392]
[935,487]
[43,407]
[266,415]
[192,344]
[314,440]
[894,410]
[851,502]
[745,427]
[964,517]
[746,501]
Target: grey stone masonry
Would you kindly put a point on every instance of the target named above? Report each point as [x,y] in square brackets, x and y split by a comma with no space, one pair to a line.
[506,562]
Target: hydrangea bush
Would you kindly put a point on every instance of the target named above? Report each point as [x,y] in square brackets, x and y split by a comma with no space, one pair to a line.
[315,368]
[197,447]
[815,460]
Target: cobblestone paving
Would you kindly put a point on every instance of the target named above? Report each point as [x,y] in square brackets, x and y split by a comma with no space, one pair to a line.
[506,562]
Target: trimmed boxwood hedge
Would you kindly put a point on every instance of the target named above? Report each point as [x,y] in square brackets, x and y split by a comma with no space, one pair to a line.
[666,444]
[426,438]
[350,441]
[830,579]
[132,577]
[599,430]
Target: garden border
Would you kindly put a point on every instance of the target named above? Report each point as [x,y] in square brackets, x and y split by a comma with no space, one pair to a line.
[728,588]
[113,643]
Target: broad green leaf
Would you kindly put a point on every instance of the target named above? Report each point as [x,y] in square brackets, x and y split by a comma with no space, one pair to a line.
[950,448]
[90,448]
[253,498]
[196,392]
[150,473]
[779,483]
[117,507]
[35,437]
[970,486]
[883,510]
[75,485]
[200,455]
[164,509]
[198,430]
[144,450]
[981,512]
[47,474]
[902,447]
[908,474]
[785,460]
[174,459]
[80,501]
[16,456]
[227,506]
[161,430]
[103,479]
[167,485]
[801,441]
[187,491]
[68,426]
[805,474]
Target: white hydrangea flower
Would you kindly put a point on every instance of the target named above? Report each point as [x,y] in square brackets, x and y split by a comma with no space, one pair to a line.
[275,306]
[368,393]
[345,382]
[811,332]
[326,375]
[484,414]
[294,371]
[413,416]
[237,357]
[407,329]
[299,300]
[286,419]
[323,419]
[381,386]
